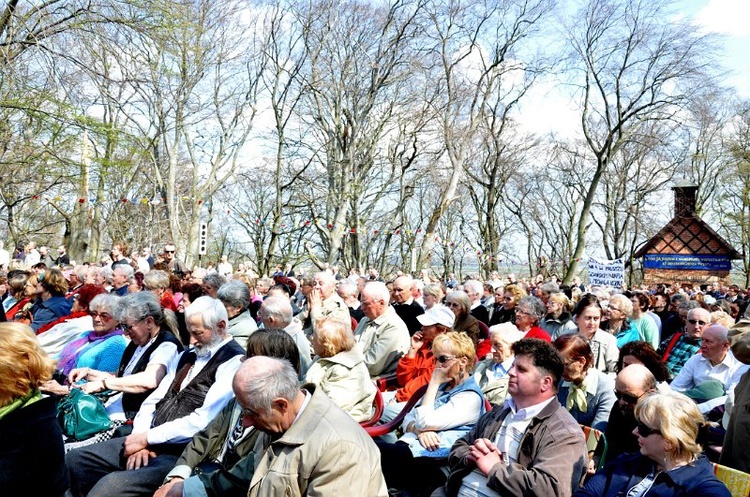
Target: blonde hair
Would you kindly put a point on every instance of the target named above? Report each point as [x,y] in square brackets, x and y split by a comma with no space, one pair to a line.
[515,290]
[334,336]
[722,318]
[434,290]
[457,342]
[677,418]
[24,365]
[562,299]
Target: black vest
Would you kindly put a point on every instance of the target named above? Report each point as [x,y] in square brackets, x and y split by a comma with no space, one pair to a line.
[180,403]
[131,402]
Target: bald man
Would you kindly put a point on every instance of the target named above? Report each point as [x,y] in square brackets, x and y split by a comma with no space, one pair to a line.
[631,384]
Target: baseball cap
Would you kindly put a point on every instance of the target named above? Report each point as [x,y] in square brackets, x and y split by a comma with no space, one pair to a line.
[437,314]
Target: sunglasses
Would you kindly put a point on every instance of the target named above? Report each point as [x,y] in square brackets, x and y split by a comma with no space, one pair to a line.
[444,358]
[169,251]
[644,431]
[103,315]
[697,321]
[627,398]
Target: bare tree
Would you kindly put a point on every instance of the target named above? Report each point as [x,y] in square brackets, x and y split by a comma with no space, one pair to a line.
[633,66]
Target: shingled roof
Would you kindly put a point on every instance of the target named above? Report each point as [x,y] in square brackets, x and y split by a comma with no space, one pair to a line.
[686,233]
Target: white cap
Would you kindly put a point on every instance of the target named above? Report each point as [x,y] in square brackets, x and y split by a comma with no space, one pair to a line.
[437,314]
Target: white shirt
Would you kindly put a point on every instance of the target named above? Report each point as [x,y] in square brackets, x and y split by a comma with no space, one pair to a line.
[224,268]
[163,355]
[183,429]
[4,258]
[698,370]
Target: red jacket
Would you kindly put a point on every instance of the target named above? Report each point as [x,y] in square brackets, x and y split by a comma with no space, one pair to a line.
[537,332]
[413,373]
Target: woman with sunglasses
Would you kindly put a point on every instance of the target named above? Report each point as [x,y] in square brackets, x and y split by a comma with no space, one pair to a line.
[99,349]
[587,393]
[450,407]
[670,461]
[458,302]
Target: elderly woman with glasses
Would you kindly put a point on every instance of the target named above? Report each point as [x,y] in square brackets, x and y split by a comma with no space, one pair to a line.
[450,407]
[670,461]
[152,346]
[618,323]
[529,313]
[100,349]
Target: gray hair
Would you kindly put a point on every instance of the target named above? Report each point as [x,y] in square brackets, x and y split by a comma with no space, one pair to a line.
[126,270]
[106,272]
[271,379]
[80,271]
[348,288]
[462,299]
[138,306]
[211,311]
[156,278]
[377,290]
[474,285]
[550,287]
[624,302]
[234,293]
[534,306]
[278,308]
[214,280]
[106,302]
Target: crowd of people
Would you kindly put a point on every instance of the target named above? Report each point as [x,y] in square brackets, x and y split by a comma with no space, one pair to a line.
[220,382]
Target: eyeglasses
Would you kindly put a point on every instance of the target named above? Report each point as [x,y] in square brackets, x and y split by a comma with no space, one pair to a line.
[614,309]
[444,358]
[249,413]
[644,431]
[697,321]
[452,304]
[103,315]
[522,312]
[627,398]
[128,327]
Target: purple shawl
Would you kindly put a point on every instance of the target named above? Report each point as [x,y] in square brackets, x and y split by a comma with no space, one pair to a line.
[70,354]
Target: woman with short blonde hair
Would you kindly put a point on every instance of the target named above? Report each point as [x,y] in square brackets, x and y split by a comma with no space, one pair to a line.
[339,368]
[670,461]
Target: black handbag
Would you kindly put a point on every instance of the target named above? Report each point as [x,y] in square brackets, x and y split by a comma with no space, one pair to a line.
[82,415]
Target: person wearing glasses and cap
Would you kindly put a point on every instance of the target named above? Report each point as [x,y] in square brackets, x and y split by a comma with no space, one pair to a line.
[669,461]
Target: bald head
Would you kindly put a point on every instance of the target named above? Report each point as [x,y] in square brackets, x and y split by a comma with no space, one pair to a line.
[402,289]
[631,384]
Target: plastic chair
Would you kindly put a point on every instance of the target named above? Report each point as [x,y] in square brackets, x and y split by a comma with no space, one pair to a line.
[596,444]
[387,382]
[377,408]
[379,430]
[738,482]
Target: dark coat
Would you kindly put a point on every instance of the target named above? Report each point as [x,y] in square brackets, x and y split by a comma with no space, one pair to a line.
[32,457]
[696,479]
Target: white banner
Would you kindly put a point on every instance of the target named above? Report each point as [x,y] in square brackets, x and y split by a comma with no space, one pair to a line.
[607,273]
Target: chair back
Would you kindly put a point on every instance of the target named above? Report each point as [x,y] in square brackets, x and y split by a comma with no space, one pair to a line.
[379,430]
[738,482]
[377,410]
[596,444]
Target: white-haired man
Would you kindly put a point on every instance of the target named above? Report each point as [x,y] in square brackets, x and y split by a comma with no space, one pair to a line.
[196,388]
[382,336]
[324,301]
[276,312]
[404,304]
[309,445]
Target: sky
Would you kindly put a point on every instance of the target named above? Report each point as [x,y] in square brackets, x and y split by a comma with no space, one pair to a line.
[730,18]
